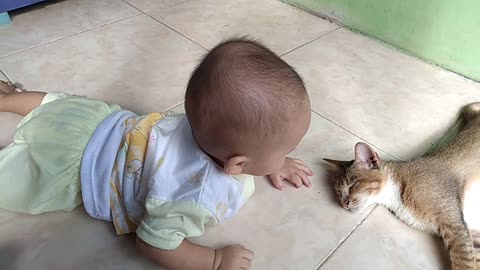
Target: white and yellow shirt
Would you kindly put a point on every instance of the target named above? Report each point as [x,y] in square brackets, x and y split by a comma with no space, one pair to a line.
[147,175]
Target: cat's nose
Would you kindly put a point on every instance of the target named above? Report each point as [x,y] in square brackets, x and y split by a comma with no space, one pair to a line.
[345,203]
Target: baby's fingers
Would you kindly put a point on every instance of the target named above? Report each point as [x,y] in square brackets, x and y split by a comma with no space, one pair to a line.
[305,179]
[295,180]
[247,254]
[301,165]
[277,181]
[245,264]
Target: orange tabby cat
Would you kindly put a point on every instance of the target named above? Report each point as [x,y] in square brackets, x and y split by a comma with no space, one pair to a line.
[428,193]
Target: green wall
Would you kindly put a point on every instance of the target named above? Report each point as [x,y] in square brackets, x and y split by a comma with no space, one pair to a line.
[445,32]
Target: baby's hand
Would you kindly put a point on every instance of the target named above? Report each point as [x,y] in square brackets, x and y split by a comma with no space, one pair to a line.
[234,257]
[294,171]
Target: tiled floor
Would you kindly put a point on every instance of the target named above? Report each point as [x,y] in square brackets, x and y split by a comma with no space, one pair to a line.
[139,53]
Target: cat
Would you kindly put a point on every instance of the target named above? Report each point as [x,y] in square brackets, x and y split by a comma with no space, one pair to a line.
[428,193]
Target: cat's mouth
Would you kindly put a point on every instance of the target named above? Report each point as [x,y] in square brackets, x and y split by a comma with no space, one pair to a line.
[353,205]
[358,207]
[353,209]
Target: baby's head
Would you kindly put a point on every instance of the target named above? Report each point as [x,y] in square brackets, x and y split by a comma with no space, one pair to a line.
[247,107]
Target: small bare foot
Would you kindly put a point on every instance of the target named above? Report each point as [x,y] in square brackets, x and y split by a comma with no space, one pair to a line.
[7,88]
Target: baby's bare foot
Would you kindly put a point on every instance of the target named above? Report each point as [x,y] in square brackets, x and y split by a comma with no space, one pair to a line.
[7,88]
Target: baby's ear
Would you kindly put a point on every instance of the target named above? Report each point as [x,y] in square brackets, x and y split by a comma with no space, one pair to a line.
[235,165]
[364,154]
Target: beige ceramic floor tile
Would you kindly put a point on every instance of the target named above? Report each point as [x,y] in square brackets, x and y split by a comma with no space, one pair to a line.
[392,100]
[151,5]
[137,63]
[65,240]
[8,123]
[384,242]
[59,19]
[180,108]
[278,25]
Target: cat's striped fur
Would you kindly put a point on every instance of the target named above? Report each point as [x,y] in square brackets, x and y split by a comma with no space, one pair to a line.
[428,193]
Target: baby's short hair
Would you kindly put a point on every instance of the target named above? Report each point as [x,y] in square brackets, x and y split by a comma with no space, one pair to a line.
[243,86]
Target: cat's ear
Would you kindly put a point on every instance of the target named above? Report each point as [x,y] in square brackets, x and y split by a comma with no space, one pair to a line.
[364,154]
[336,163]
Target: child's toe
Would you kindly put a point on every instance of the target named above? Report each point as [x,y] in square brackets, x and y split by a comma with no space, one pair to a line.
[7,88]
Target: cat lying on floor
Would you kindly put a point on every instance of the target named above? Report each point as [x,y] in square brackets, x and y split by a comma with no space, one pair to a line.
[428,193]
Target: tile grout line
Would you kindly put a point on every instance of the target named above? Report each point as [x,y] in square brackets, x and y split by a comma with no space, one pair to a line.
[157,9]
[166,25]
[444,136]
[174,30]
[333,122]
[308,42]
[384,43]
[405,52]
[5,75]
[343,240]
[301,8]
[172,107]
[67,36]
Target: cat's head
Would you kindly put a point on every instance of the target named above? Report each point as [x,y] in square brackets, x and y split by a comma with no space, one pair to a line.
[358,182]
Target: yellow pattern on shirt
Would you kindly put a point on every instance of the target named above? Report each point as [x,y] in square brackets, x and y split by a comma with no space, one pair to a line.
[133,151]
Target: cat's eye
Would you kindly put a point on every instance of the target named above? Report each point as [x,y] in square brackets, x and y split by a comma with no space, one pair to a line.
[353,184]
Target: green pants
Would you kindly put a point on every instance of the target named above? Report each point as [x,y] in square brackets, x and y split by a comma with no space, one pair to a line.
[40,169]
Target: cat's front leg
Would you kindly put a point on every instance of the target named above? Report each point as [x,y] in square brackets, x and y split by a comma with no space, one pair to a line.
[476,245]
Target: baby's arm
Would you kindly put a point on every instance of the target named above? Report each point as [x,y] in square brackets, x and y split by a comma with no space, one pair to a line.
[186,256]
[189,256]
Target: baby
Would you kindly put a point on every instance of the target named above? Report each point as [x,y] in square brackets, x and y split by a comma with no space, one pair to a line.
[163,176]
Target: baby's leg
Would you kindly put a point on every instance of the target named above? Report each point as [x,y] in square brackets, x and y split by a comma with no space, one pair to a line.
[16,101]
